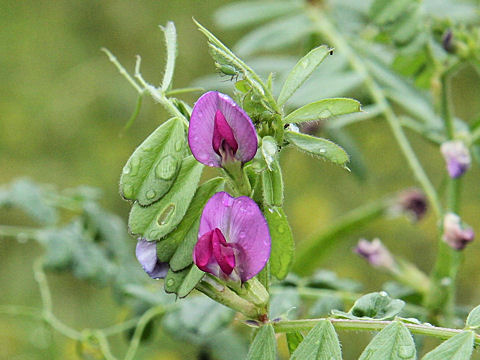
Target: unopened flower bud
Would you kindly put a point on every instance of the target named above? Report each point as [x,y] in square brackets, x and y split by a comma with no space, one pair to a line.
[447,41]
[413,203]
[457,157]
[375,253]
[454,233]
[146,252]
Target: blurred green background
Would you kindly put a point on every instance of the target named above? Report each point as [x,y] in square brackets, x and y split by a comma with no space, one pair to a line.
[62,109]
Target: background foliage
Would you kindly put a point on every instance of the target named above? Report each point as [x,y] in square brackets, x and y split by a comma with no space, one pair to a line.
[63,107]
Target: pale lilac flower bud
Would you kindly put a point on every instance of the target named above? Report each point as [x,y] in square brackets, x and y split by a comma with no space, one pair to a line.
[146,252]
[220,131]
[233,238]
[457,157]
[413,203]
[454,233]
[375,253]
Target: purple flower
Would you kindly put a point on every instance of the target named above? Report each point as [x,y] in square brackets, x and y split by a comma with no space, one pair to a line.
[454,234]
[412,202]
[457,157]
[233,238]
[220,131]
[375,253]
[146,252]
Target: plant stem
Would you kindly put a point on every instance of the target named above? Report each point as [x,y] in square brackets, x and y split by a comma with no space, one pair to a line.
[227,297]
[325,28]
[441,298]
[311,251]
[18,232]
[142,323]
[367,325]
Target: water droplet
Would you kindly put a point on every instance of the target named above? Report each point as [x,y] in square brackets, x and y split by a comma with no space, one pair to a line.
[178,145]
[383,293]
[150,194]
[166,214]
[281,229]
[323,151]
[227,200]
[271,210]
[406,351]
[128,191]
[135,166]
[170,282]
[166,168]
[127,169]
[446,281]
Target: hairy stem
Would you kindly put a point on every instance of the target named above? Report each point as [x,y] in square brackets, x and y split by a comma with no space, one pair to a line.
[367,325]
[441,299]
[324,27]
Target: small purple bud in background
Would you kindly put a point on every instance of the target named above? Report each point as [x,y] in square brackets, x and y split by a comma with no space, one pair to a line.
[413,203]
[146,252]
[375,253]
[457,157]
[233,238]
[220,131]
[447,41]
[454,233]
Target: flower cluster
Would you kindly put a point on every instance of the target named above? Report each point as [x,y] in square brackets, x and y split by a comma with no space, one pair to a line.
[233,239]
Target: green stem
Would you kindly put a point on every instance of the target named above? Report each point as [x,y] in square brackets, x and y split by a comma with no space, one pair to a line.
[227,297]
[18,232]
[148,316]
[441,298]
[311,251]
[325,28]
[367,325]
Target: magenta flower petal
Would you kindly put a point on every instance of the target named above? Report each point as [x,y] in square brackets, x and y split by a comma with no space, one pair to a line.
[146,252]
[218,122]
[238,236]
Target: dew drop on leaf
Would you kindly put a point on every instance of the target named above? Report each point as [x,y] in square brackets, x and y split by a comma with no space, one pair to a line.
[406,351]
[150,194]
[166,214]
[135,166]
[166,168]
[127,169]
[170,282]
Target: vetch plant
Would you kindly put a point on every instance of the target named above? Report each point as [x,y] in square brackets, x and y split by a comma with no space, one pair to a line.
[222,244]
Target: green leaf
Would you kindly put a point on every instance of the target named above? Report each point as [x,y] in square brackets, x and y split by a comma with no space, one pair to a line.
[326,279]
[159,219]
[154,165]
[301,72]
[275,35]
[323,109]
[245,13]
[320,147]
[33,200]
[264,346]
[385,11]
[459,347]
[177,247]
[321,343]
[293,340]
[473,319]
[377,305]
[269,150]
[272,182]
[184,281]
[324,306]
[392,343]
[283,245]
[171,43]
